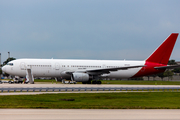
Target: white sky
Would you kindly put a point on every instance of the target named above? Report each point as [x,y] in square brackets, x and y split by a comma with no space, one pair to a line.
[87,29]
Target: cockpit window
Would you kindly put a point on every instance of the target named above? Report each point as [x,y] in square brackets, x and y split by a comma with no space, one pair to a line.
[11,64]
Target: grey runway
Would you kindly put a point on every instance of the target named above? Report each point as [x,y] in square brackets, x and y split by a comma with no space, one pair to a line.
[89,114]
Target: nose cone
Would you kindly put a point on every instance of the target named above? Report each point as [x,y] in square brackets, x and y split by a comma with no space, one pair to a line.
[4,69]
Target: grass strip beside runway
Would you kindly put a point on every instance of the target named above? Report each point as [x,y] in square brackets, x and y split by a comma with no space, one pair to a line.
[140,82]
[147,100]
[122,82]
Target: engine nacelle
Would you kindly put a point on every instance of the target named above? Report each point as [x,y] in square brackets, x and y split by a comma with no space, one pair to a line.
[80,77]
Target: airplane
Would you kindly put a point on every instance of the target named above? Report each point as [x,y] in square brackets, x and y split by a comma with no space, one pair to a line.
[90,71]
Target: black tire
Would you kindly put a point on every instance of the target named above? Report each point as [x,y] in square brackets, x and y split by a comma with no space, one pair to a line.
[93,82]
[98,82]
[88,82]
[83,82]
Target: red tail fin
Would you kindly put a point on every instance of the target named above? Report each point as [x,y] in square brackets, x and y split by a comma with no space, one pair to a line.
[163,52]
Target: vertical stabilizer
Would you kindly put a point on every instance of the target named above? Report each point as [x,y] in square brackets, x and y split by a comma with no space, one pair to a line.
[162,54]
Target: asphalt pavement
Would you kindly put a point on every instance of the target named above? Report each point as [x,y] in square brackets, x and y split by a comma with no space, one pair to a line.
[89,114]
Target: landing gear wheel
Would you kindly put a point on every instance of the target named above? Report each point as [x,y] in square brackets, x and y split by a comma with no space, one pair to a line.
[83,82]
[93,82]
[98,82]
[88,82]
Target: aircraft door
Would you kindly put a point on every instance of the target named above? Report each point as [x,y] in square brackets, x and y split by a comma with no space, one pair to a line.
[56,69]
[23,66]
[103,66]
[57,66]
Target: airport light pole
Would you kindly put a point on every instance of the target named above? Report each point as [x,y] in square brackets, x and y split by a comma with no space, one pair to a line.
[0,65]
[0,60]
[8,54]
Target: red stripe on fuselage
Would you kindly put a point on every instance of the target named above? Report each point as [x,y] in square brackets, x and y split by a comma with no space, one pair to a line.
[149,69]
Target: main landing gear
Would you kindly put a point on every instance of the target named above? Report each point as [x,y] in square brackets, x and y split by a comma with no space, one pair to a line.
[93,82]
[96,82]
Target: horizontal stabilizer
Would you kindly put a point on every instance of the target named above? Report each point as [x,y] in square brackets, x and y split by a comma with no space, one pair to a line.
[168,67]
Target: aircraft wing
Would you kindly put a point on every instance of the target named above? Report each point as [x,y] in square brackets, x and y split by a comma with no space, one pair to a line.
[108,70]
[104,70]
[168,67]
[115,69]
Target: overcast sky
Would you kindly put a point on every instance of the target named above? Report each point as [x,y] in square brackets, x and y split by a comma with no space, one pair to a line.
[87,29]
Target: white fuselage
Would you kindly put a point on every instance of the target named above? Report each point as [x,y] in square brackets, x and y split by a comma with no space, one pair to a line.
[57,67]
[87,70]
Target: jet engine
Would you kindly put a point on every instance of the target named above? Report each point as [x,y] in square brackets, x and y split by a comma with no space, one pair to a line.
[80,77]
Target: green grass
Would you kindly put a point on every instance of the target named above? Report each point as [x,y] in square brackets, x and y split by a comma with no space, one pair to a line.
[39,80]
[140,82]
[123,82]
[132,100]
